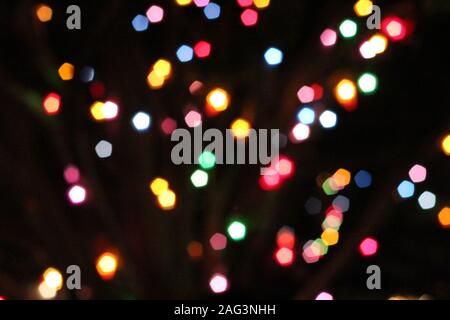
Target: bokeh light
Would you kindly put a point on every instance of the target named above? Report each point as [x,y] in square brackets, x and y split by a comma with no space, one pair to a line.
[363,8]
[324,296]
[427,200]
[167,200]
[363,179]
[202,49]
[106,265]
[44,13]
[158,186]
[284,257]
[77,195]
[52,104]
[368,247]
[305,94]
[218,241]
[237,230]
[140,23]
[240,128]
[306,115]
[218,99]
[218,283]
[394,28]
[53,278]
[418,173]
[207,160]
[249,17]
[446,145]
[348,28]
[328,119]
[66,71]
[273,56]
[141,121]
[406,189]
[104,149]
[155,14]
[367,83]
[444,217]
[185,53]
[199,179]
[328,38]
[212,11]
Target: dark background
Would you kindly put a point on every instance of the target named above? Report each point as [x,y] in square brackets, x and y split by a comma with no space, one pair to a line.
[402,124]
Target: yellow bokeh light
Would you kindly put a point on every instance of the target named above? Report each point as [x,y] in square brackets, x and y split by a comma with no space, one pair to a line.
[155,81]
[158,186]
[44,13]
[183,2]
[218,99]
[345,90]
[167,200]
[330,236]
[363,8]
[162,68]
[378,43]
[45,291]
[66,71]
[107,265]
[53,278]
[446,145]
[444,217]
[240,128]
[97,111]
[261,4]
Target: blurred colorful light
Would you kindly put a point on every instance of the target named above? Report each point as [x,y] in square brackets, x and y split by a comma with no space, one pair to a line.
[273,56]
[249,17]
[167,200]
[104,149]
[363,179]
[218,99]
[240,128]
[106,265]
[284,257]
[141,121]
[328,119]
[418,173]
[202,49]
[158,186]
[53,278]
[306,115]
[394,28]
[77,194]
[368,247]
[348,28]
[212,11]
[363,8]
[218,283]
[199,179]
[446,145]
[185,53]
[155,14]
[140,23]
[367,83]
[305,94]
[444,217]
[427,200]
[237,231]
[218,241]
[44,13]
[66,71]
[52,104]
[300,132]
[328,38]
[406,189]
[207,160]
